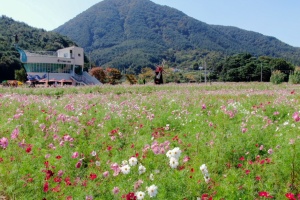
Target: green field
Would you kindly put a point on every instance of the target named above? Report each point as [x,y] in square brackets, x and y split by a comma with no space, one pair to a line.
[149,142]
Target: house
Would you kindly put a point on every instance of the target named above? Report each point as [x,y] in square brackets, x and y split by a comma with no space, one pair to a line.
[64,66]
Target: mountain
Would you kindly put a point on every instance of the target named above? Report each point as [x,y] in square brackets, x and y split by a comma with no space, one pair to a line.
[137,33]
[29,39]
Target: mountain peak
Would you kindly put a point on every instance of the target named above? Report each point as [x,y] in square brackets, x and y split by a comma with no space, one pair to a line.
[140,32]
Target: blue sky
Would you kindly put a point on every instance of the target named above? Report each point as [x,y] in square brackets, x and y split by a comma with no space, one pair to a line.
[277,18]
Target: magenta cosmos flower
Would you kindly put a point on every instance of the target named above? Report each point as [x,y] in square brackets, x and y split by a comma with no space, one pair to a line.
[4,142]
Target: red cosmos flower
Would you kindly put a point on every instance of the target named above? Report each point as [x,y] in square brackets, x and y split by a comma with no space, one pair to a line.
[242,158]
[69,198]
[58,157]
[109,148]
[29,148]
[57,179]
[49,174]
[290,196]
[67,181]
[206,197]
[192,170]
[93,176]
[258,178]
[240,165]
[247,171]
[29,180]
[130,196]
[46,163]
[56,189]
[84,183]
[265,194]
[46,186]
[1,159]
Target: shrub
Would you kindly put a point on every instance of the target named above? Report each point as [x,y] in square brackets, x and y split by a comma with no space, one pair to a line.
[295,78]
[277,77]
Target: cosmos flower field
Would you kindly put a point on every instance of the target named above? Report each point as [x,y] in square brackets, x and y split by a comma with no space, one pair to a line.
[186,141]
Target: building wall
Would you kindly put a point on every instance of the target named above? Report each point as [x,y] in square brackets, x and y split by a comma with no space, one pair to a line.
[74,53]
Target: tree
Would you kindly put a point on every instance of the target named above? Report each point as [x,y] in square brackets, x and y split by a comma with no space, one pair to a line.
[131,78]
[113,75]
[99,74]
[147,74]
[20,75]
[195,66]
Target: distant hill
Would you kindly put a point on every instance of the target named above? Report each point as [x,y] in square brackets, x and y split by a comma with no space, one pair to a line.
[138,33]
[29,39]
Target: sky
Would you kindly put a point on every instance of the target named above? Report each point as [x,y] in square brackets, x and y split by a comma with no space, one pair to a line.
[277,18]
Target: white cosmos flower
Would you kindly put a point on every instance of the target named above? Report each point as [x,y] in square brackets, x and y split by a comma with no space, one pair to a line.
[140,195]
[97,163]
[132,161]
[142,169]
[204,171]
[124,162]
[206,178]
[93,153]
[173,163]
[176,152]
[125,169]
[169,154]
[151,177]
[152,190]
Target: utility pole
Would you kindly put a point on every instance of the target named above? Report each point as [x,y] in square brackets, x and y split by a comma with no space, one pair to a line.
[260,72]
[205,70]
[90,60]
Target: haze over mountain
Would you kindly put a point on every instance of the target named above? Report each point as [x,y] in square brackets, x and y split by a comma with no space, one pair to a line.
[138,33]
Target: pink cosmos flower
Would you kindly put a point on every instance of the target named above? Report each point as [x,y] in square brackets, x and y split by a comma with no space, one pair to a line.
[296,116]
[115,167]
[106,174]
[15,133]
[3,142]
[89,197]
[244,130]
[270,151]
[60,173]
[116,190]
[203,106]
[186,159]
[75,155]
[78,164]
[292,141]
[261,147]
[138,184]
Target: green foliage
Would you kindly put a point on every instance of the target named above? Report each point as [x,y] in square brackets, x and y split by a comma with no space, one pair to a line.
[277,77]
[295,77]
[20,75]
[245,67]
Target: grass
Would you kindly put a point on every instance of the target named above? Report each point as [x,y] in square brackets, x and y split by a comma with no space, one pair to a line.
[245,134]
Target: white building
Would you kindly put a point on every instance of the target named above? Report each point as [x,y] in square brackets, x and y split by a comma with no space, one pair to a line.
[65,65]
